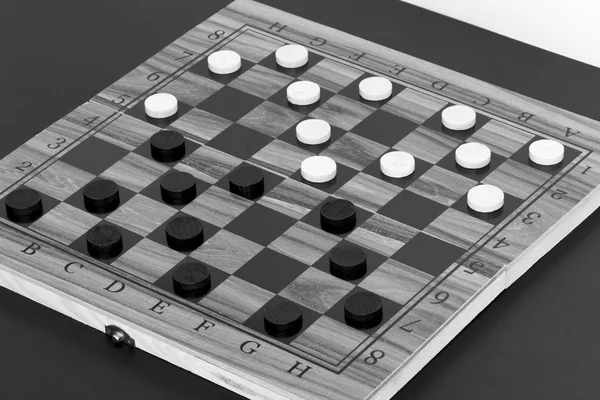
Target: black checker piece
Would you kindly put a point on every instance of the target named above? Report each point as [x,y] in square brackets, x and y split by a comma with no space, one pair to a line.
[101,196]
[178,188]
[24,205]
[104,241]
[167,146]
[191,279]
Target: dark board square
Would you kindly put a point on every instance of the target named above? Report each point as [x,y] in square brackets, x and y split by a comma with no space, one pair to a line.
[374,260]
[159,234]
[435,123]
[153,192]
[48,203]
[511,203]
[385,128]
[449,163]
[217,277]
[522,156]
[271,270]
[260,224]
[94,155]
[412,209]
[270,179]
[239,141]
[390,309]
[145,150]
[76,200]
[271,62]
[139,111]
[374,169]
[428,254]
[201,68]
[256,321]
[230,103]
[344,174]
[289,136]
[130,239]
[313,218]
[281,98]
[351,91]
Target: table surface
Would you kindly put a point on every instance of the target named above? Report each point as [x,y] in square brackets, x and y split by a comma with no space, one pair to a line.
[535,341]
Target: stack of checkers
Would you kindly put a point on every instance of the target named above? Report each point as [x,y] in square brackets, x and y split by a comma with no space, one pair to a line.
[337,216]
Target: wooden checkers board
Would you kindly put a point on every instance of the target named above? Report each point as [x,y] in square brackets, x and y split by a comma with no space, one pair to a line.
[433,263]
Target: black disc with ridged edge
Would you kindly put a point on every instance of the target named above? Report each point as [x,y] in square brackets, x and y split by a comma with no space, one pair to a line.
[101,196]
[247,181]
[167,146]
[282,318]
[363,310]
[338,216]
[104,241]
[184,233]
[191,279]
[178,188]
[24,205]
[348,262]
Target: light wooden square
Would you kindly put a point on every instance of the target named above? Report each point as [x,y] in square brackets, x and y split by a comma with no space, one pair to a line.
[261,82]
[192,89]
[148,260]
[331,75]
[236,299]
[382,234]
[442,185]
[141,215]
[427,144]
[208,165]
[227,251]
[414,106]
[502,139]
[270,119]
[65,223]
[329,340]
[396,281]
[134,172]
[316,290]
[217,206]
[281,157]
[293,198]
[60,180]
[127,132]
[368,192]
[343,112]
[458,228]
[517,179]
[304,243]
[354,151]
[201,126]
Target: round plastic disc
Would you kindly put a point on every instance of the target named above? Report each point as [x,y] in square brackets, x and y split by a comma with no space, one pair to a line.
[160,105]
[313,131]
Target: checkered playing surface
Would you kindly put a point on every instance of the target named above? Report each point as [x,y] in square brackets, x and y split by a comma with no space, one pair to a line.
[262,250]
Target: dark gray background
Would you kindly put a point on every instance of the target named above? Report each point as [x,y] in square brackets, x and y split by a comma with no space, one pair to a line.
[537,340]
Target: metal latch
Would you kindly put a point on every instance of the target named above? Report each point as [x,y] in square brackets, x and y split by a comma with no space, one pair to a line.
[119,336]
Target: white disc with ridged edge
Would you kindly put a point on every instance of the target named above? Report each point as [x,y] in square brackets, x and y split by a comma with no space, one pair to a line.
[313,131]
[397,164]
[546,152]
[291,56]
[375,88]
[224,62]
[303,93]
[485,198]
[473,155]
[161,105]
[459,118]
[318,169]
